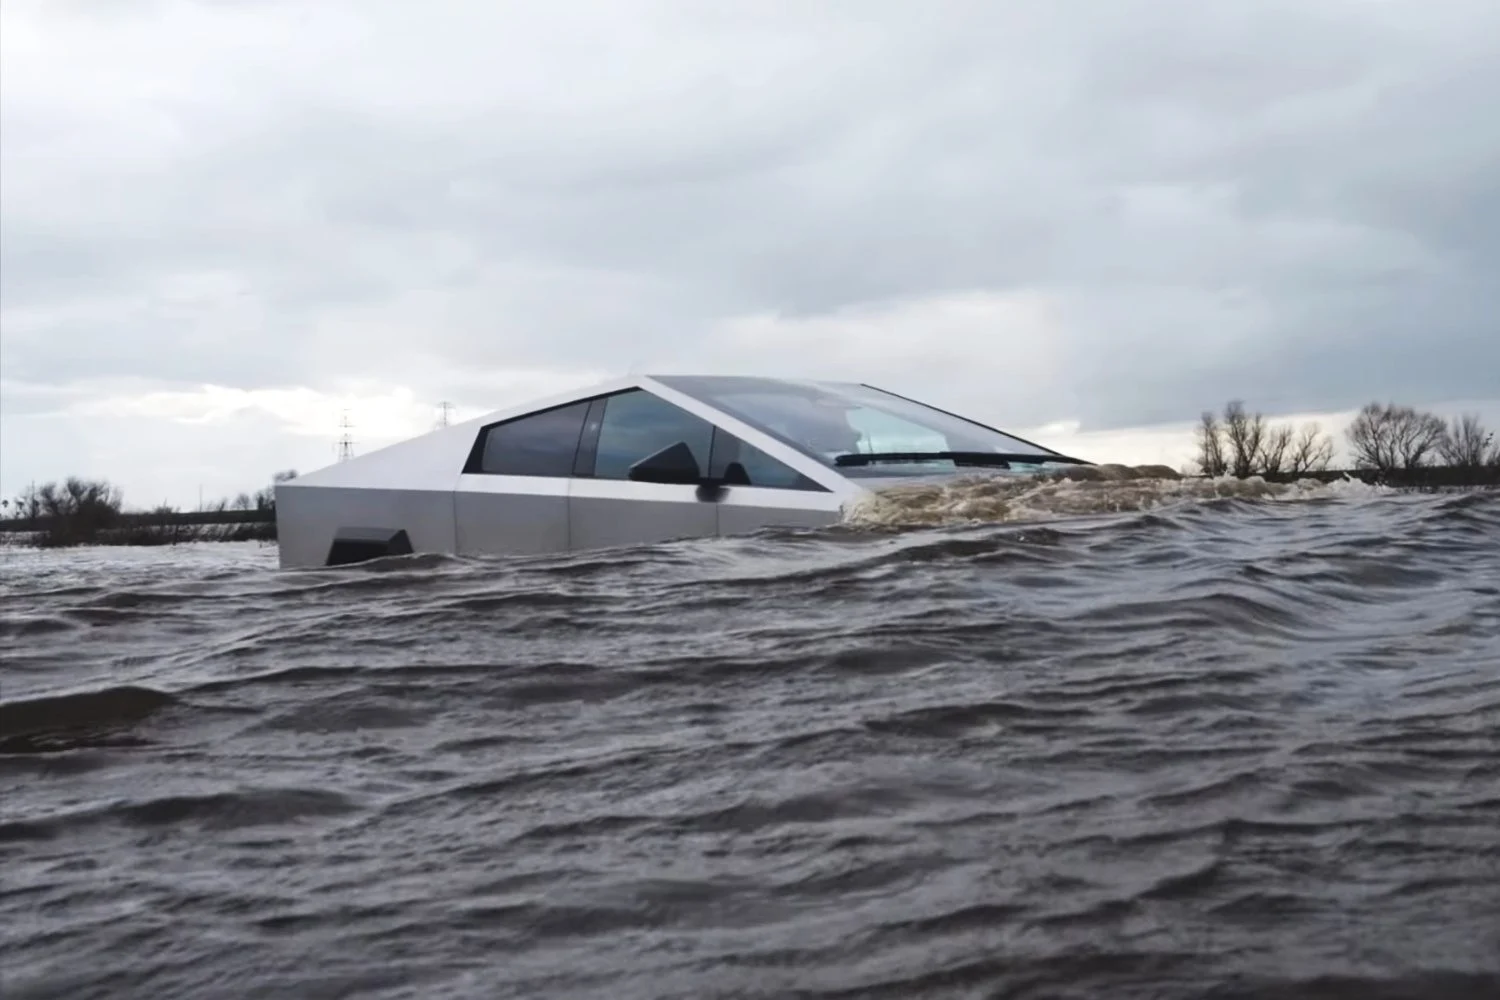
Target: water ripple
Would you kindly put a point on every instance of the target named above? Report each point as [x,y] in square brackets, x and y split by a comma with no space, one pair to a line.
[1222,742]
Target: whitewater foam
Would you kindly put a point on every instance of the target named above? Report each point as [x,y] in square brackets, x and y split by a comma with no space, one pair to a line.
[996,498]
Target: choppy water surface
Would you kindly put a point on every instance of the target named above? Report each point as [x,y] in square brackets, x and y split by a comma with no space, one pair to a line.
[1232,747]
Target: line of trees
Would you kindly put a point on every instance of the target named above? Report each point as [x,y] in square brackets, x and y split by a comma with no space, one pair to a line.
[1245,444]
[1384,438]
[78,511]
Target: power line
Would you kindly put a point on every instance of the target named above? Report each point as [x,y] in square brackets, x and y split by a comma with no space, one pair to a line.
[444,409]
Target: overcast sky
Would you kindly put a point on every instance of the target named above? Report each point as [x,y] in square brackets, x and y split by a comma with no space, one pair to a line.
[225,221]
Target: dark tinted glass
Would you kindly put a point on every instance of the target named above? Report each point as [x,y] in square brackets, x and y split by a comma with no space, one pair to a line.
[758,468]
[637,424]
[542,444]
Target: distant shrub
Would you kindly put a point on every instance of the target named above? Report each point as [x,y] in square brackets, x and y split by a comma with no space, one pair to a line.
[74,512]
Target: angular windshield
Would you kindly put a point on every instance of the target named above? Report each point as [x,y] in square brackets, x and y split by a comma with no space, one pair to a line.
[829,419]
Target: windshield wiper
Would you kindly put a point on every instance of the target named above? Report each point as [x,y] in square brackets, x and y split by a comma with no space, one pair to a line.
[994,459]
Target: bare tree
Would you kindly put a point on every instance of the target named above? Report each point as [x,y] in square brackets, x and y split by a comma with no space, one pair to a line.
[1466,444]
[1276,449]
[1246,437]
[1312,451]
[265,497]
[1387,437]
[1244,445]
[1211,446]
[1418,437]
[1370,439]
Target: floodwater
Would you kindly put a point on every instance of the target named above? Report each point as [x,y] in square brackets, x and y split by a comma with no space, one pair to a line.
[1100,740]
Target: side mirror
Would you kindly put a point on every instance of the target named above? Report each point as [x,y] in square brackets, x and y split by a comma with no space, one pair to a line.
[674,464]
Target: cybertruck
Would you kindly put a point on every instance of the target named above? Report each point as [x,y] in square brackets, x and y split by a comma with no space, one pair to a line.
[635,460]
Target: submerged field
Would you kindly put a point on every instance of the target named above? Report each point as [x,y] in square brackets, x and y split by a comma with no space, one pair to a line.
[1052,740]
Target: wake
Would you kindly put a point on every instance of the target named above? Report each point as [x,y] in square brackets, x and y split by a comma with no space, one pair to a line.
[996,497]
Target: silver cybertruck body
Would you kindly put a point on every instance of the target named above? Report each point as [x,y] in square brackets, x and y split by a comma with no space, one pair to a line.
[634,460]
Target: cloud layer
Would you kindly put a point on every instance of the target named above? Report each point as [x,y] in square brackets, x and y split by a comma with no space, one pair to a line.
[1114,212]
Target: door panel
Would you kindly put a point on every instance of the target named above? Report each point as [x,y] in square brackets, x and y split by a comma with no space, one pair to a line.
[619,512]
[513,496]
[605,506]
[744,509]
[767,492]
[511,515]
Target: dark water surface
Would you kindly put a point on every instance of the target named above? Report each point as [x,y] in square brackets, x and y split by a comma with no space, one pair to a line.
[1235,748]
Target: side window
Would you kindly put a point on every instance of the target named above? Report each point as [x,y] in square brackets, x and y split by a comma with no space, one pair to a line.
[542,444]
[637,424]
[755,467]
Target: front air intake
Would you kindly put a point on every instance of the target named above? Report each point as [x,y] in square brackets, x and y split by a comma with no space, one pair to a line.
[354,545]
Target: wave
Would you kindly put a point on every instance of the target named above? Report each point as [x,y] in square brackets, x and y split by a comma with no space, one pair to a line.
[998,739]
[216,811]
[83,718]
[997,498]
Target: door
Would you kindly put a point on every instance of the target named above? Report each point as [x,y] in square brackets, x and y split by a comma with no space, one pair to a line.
[765,492]
[605,507]
[512,498]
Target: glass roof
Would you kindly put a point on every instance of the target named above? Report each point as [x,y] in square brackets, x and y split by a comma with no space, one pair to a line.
[827,420]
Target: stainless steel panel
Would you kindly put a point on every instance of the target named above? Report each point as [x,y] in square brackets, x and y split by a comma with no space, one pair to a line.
[603,512]
[744,509]
[307,517]
[511,515]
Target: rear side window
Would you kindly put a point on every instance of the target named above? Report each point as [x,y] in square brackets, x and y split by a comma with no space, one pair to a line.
[541,444]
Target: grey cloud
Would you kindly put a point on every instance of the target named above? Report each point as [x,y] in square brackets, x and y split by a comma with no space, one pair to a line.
[1295,203]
